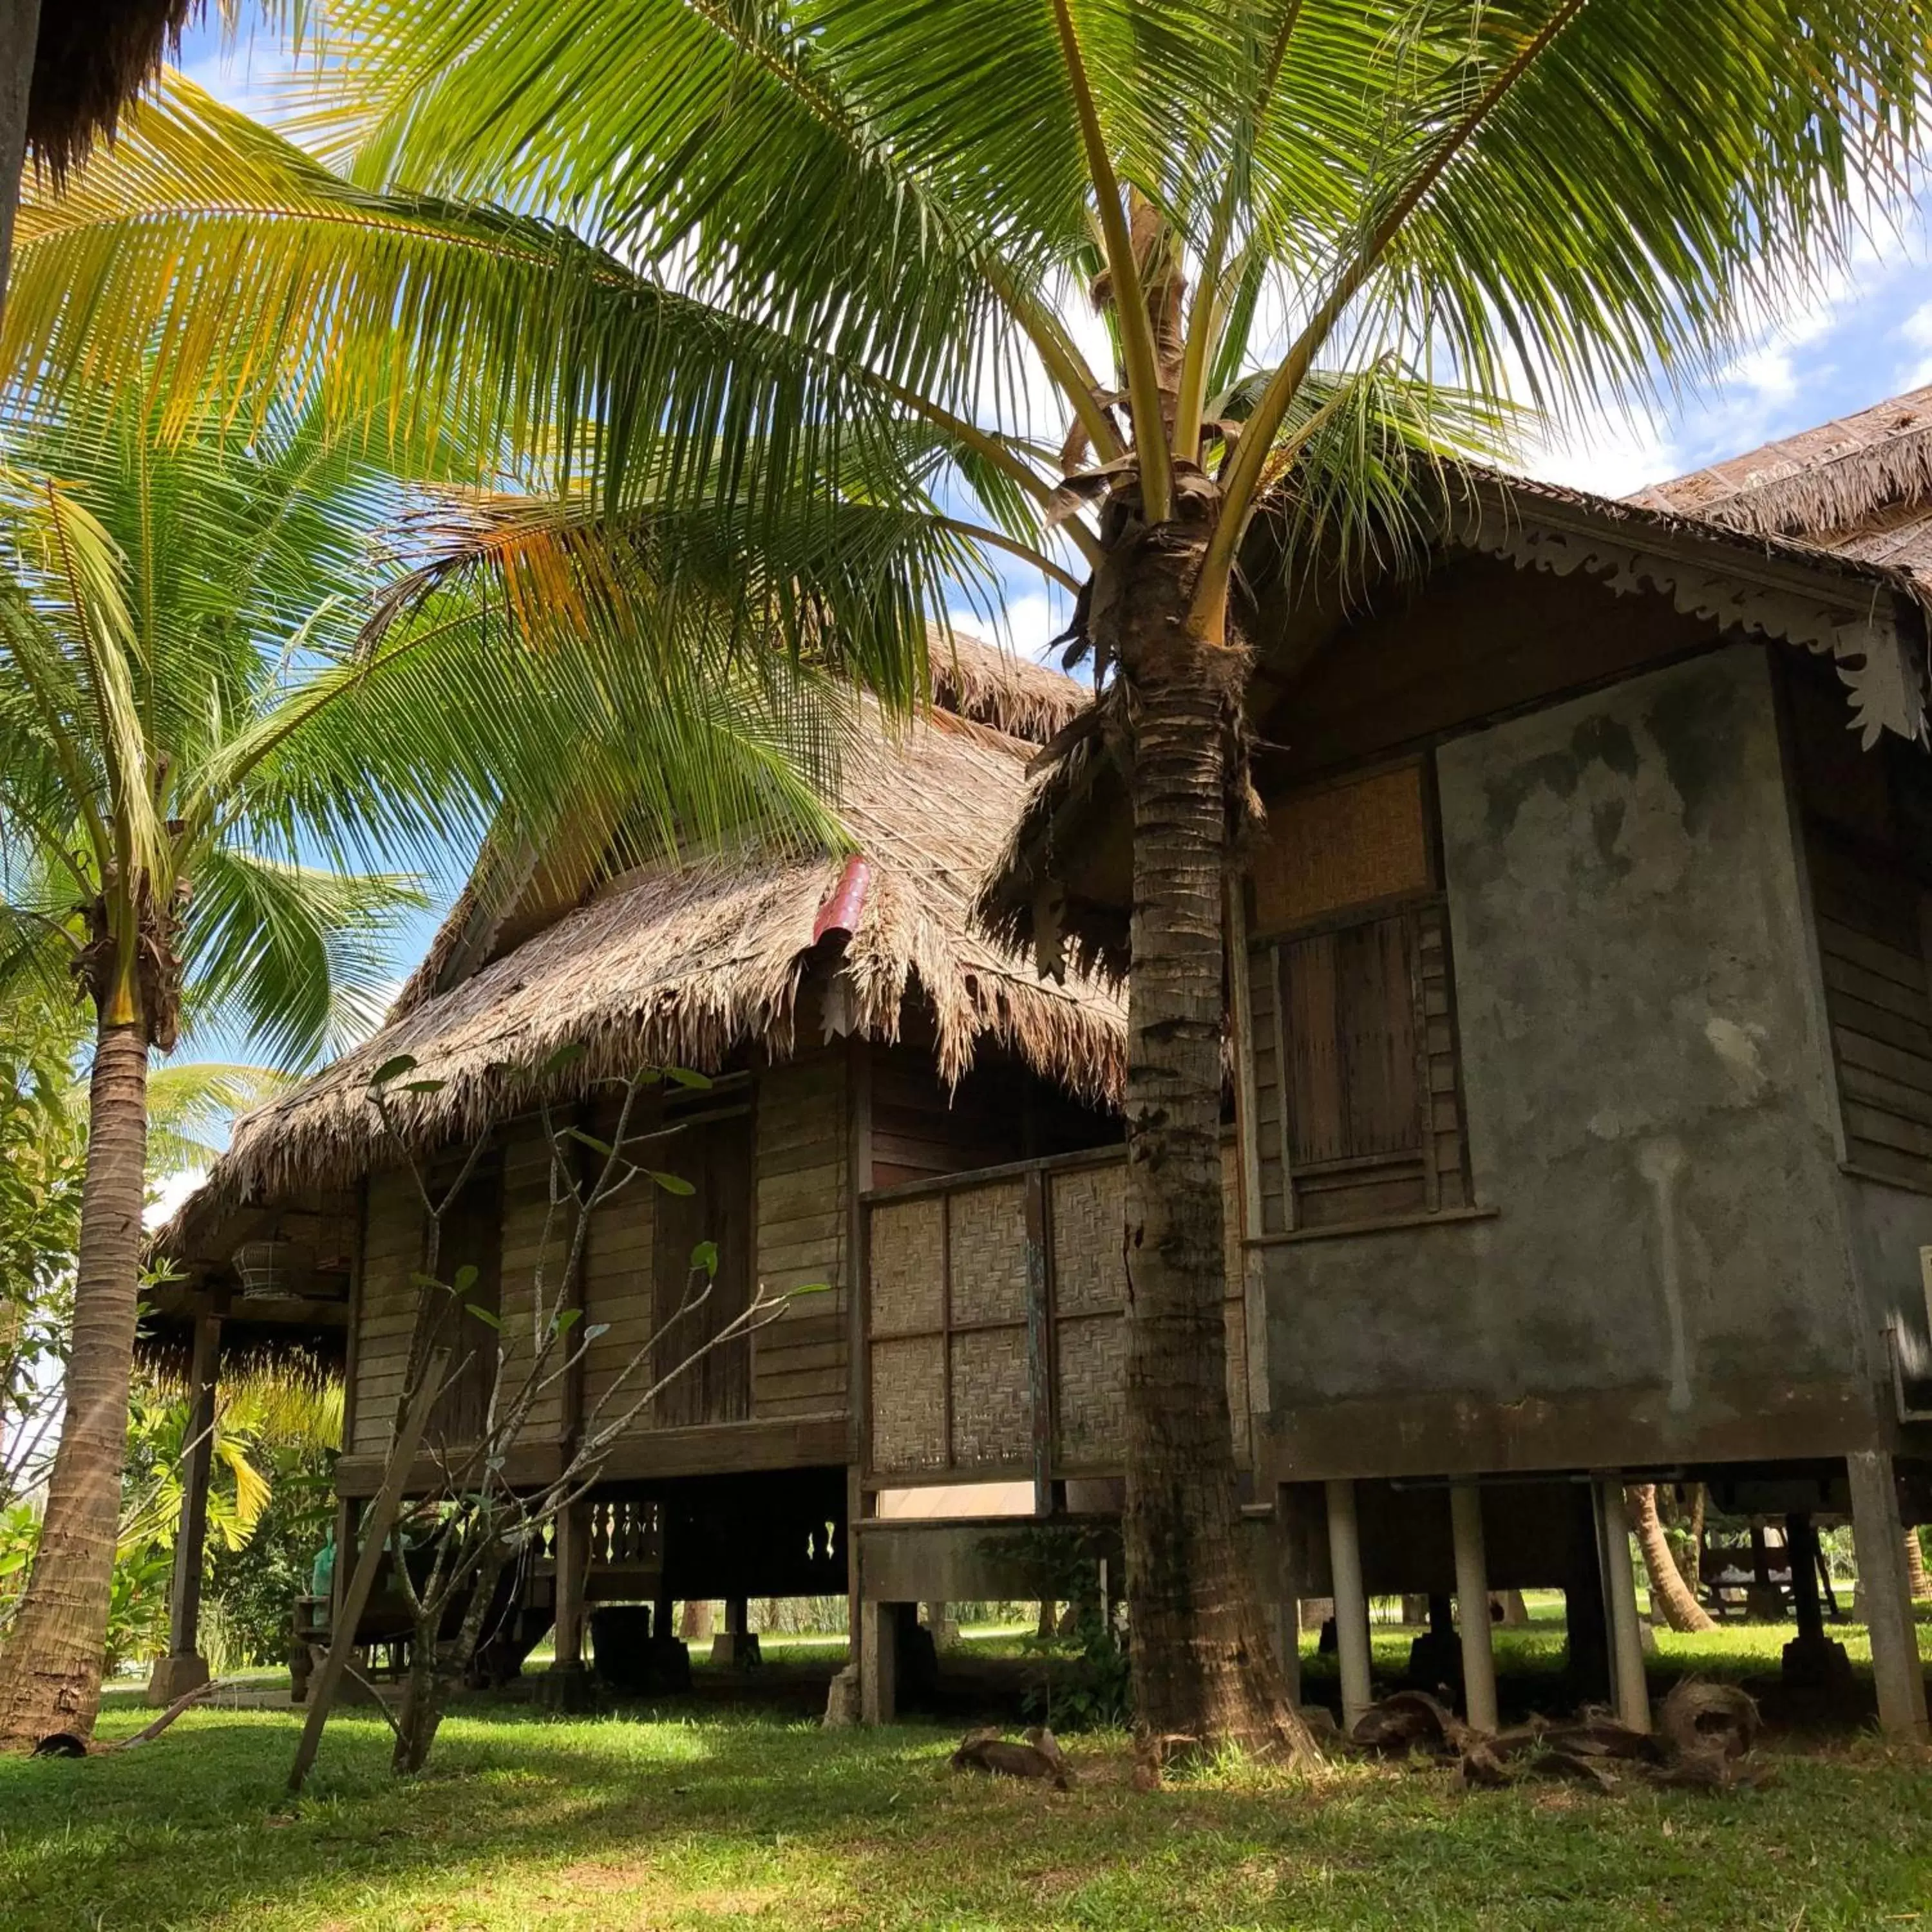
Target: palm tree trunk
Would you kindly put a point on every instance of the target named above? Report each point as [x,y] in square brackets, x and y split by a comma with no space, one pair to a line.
[50,1674]
[1203,1668]
[1914,1565]
[19,31]
[1669,1592]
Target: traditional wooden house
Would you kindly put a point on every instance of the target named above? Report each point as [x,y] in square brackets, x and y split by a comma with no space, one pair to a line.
[1581,1130]
[859,1036]
[1581,978]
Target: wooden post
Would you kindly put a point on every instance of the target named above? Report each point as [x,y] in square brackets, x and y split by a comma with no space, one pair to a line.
[878,1662]
[353,1601]
[1284,1625]
[1472,1605]
[571,1556]
[1630,1688]
[184,1668]
[1877,1532]
[1352,1604]
[734,1646]
[1040,1346]
[1800,1544]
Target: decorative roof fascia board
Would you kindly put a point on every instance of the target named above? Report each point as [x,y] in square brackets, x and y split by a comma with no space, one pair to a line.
[1861,622]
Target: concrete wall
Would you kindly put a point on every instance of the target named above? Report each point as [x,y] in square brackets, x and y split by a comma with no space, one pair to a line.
[1665,1275]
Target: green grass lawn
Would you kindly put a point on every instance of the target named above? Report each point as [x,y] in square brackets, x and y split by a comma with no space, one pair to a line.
[744,1819]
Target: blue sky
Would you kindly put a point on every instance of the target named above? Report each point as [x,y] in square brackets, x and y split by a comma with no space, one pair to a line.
[1864,335]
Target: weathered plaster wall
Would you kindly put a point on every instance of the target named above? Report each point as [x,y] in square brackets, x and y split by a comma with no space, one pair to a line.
[1666,1274]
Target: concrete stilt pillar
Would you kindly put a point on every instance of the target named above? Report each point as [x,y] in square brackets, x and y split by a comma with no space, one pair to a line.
[1351,1603]
[1472,1605]
[1897,1673]
[184,1668]
[1629,1687]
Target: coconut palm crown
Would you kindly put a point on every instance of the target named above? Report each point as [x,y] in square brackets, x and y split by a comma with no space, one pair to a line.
[804,284]
[211,731]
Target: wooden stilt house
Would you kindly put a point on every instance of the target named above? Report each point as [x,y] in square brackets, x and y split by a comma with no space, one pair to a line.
[1581,982]
[858,1035]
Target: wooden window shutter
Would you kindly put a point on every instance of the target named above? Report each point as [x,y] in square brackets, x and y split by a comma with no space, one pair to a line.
[714,1157]
[1351,1013]
[1357,1090]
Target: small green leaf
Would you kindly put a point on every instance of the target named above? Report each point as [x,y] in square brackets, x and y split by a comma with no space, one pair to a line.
[466,1277]
[705,1256]
[596,1329]
[418,1280]
[566,1319]
[810,1287]
[391,1069]
[424,1086]
[484,1315]
[568,1054]
[589,1140]
[686,1076]
[671,1184]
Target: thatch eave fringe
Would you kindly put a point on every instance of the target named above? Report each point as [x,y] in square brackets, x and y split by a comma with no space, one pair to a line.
[688,966]
[1045,897]
[92,59]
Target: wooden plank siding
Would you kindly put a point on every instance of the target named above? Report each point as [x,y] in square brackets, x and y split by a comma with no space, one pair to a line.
[780,1142]
[1867,817]
[391,1252]
[798,1363]
[1878,999]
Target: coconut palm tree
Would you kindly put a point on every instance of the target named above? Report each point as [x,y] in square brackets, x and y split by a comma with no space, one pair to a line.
[808,269]
[199,750]
[1670,1593]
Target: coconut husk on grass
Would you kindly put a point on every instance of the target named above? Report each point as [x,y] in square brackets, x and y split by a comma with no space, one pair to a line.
[1704,1737]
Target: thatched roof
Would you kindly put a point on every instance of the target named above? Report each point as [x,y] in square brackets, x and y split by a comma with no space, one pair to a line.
[1859,487]
[686,966]
[92,59]
[1060,891]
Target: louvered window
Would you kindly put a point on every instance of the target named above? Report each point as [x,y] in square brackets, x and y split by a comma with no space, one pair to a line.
[1359,1110]
[1867,818]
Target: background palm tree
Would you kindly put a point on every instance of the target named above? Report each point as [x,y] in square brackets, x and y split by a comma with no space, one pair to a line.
[199,743]
[802,282]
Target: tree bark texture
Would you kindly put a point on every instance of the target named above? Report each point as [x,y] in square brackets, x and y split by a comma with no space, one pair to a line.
[1669,1592]
[439,1665]
[1203,1669]
[50,1670]
[1914,1566]
[19,32]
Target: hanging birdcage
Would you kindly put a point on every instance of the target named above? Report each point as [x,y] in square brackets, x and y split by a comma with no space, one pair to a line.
[263,1268]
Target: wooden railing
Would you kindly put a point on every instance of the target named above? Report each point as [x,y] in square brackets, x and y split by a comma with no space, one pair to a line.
[996,1339]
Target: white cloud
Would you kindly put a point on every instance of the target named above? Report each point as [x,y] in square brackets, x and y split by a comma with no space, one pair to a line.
[1611,455]
[1029,622]
[170,1196]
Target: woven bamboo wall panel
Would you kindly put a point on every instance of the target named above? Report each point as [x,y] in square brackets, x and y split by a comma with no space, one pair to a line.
[988,1250]
[909,1404]
[1342,845]
[907,1256]
[1092,1367]
[1089,1206]
[992,1410]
